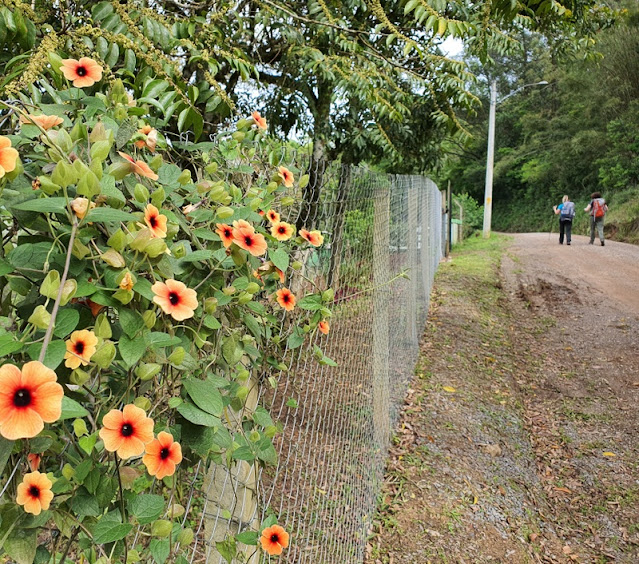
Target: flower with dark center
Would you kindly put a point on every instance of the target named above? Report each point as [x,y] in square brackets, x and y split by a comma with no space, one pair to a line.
[286,176]
[81,346]
[155,221]
[226,234]
[286,299]
[29,398]
[282,231]
[126,432]
[85,72]
[175,299]
[245,237]
[34,493]
[315,238]
[162,456]
[259,120]
[274,539]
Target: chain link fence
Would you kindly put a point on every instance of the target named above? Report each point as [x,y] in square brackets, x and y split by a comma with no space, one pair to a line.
[383,239]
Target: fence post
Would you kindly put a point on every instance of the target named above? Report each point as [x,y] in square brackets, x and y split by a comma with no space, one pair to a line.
[231,493]
[381,273]
[413,273]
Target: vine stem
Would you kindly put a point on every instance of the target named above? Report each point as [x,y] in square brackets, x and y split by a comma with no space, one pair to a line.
[58,299]
[117,471]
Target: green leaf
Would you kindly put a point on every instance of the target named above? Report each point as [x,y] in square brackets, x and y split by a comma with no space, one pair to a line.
[128,128]
[211,322]
[227,549]
[51,205]
[131,350]
[143,287]
[169,174]
[279,257]
[147,507]
[66,321]
[110,531]
[130,321]
[105,215]
[248,537]
[54,355]
[204,395]
[159,339]
[311,302]
[5,267]
[197,256]
[9,345]
[6,447]
[295,339]
[84,504]
[197,416]
[160,550]
[244,453]
[266,451]
[21,545]
[71,409]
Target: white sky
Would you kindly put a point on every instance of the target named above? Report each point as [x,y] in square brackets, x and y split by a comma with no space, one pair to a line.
[452,46]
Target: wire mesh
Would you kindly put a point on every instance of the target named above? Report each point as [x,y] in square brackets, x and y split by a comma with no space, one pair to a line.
[383,242]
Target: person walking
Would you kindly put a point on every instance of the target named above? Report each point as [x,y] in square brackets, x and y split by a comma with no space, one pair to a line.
[567,211]
[597,209]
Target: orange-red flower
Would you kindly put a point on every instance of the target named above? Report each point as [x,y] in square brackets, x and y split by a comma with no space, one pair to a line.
[85,72]
[285,298]
[126,432]
[156,221]
[315,238]
[33,460]
[273,216]
[324,327]
[94,307]
[162,456]
[8,156]
[29,398]
[150,138]
[280,273]
[81,206]
[44,121]
[244,236]
[175,299]
[34,493]
[139,167]
[242,224]
[286,176]
[282,231]
[226,234]
[274,539]
[259,120]
[81,346]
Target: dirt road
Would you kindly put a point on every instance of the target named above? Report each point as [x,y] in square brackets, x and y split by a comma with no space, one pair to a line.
[519,440]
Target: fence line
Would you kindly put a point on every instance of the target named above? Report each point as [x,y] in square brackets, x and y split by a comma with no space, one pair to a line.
[384,237]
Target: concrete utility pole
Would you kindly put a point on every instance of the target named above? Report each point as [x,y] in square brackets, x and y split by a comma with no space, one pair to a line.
[490,158]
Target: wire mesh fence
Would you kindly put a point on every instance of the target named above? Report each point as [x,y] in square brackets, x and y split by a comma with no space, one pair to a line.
[384,237]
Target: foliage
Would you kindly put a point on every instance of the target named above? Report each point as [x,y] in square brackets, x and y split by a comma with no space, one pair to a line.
[473,213]
[122,255]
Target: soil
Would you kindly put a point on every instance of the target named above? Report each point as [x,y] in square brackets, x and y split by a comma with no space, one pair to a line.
[518,438]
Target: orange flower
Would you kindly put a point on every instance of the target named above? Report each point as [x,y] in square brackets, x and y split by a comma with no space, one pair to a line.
[259,120]
[324,327]
[127,282]
[81,347]
[280,273]
[29,398]
[162,455]
[35,493]
[95,308]
[175,299]
[274,539]
[226,234]
[285,298]
[286,176]
[81,206]
[139,167]
[315,238]
[282,231]
[242,224]
[156,221]
[150,140]
[246,238]
[34,461]
[127,431]
[85,72]
[8,156]
[44,121]
[273,216]
[261,212]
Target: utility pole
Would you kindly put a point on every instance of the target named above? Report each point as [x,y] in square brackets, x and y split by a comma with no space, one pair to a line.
[490,160]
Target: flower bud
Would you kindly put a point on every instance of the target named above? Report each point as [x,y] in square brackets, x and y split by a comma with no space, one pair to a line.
[67,471]
[185,537]
[47,185]
[243,375]
[210,305]
[105,354]
[244,298]
[40,317]
[117,241]
[179,251]
[254,436]
[63,174]
[161,528]
[158,197]
[328,295]
[141,240]
[287,201]
[211,168]
[51,284]
[229,290]
[242,393]
[297,265]
[253,288]
[80,427]
[102,327]
[142,403]
[239,136]
[133,556]
[255,203]
[141,193]
[123,296]
[177,356]
[156,162]
[113,258]
[147,371]
[244,123]
[270,431]
[155,247]
[224,212]
[120,114]
[118,170]
[271,187]
[185,177]
[79,377]
[149,319]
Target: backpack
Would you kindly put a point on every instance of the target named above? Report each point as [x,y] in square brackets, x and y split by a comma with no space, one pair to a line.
[598,207]
[568,210]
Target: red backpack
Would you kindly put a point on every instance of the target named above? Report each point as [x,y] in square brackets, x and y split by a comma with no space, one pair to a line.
[598,207]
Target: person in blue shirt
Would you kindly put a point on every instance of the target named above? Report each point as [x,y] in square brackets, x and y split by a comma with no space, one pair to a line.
[566,212]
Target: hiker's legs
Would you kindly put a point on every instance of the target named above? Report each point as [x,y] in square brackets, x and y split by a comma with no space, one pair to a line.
[599,224]
[592,229]
[568,225]
[562,226]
